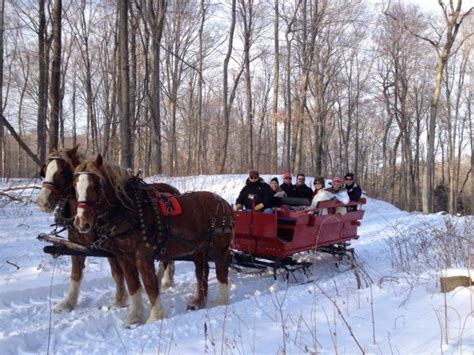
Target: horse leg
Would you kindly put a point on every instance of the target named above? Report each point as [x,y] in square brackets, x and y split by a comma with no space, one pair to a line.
[146,267]
[165,274]
[135,309]
[222,273]
[70,302]
[120,300]
[202,274]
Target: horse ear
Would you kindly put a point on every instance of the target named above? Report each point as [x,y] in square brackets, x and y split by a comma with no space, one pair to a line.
[99,160]
[72,152]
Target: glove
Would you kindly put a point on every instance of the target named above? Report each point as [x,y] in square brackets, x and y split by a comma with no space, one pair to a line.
[238,206]
[259,207]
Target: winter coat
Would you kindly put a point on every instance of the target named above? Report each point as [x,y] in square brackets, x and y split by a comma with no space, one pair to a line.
[304,191]
[261,191]
[290,190]
[330,194]
[354,191]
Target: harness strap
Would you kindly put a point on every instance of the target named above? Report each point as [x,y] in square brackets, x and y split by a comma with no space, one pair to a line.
[51,187]
[85,206]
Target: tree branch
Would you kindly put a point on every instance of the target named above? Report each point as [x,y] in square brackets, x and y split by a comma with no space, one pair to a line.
[22,144]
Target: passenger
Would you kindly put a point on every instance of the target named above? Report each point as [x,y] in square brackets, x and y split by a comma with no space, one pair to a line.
[277,190]
[288,187]
[256,193]
[335,192]
[318,184]
[353,190]
[278,193]
[303,190]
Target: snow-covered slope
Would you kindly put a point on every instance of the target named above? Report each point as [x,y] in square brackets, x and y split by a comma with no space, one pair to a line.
[398,308]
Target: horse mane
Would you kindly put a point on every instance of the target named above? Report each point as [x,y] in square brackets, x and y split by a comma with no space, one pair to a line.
[115,175]
[63,154]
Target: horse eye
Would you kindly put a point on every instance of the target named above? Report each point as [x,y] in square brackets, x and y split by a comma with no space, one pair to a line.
[66,174]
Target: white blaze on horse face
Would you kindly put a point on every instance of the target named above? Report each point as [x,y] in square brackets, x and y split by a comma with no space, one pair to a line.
[81,189]
[42,201]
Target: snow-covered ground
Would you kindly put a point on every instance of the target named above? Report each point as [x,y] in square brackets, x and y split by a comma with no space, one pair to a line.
[397,310]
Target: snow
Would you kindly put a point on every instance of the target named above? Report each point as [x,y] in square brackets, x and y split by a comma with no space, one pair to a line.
[397,309]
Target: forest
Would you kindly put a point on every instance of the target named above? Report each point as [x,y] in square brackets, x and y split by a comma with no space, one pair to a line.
[381,89]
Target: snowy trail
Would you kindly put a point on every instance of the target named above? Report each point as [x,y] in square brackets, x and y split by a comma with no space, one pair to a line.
[264,316]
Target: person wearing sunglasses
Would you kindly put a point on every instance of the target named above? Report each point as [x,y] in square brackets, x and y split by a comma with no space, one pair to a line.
[256,195]
[335,192]
[318,185]
[288,187]
[353,190]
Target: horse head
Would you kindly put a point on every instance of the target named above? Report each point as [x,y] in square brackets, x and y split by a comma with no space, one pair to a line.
[100,187]
[58,177]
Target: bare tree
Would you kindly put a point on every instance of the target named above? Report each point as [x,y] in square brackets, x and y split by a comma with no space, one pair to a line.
[2,130]
[276,89]
[225,91]
[124,107]
[443,46]
[43,59]
[55,77]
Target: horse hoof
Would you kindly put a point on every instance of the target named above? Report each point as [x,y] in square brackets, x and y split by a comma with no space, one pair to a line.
[167,284]
[131,321]
[117,304]
[63,306]
[133,317]
[194,306]
[154,318]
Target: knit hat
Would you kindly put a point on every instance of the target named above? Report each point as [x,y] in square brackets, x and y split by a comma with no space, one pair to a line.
[336,179]
[275,179]
[286,174]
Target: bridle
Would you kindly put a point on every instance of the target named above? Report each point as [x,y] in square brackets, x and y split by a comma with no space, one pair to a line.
[55,189]
[85,204]
[92,207]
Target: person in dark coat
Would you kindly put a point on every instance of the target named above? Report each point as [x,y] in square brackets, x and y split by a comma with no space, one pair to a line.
[303,190]
[288,187]
[256,193]
[353,190]
[278,193]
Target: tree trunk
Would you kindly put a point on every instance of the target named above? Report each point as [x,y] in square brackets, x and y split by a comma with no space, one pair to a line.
[124,106]
[155,18]
[225,93]
[55,77]
[471,129]
[2,131]
[42,83]
[246,12]
[199,129]
[276,89]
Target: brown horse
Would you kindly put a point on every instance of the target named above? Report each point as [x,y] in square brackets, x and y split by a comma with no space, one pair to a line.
[58,191]
[109,200]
